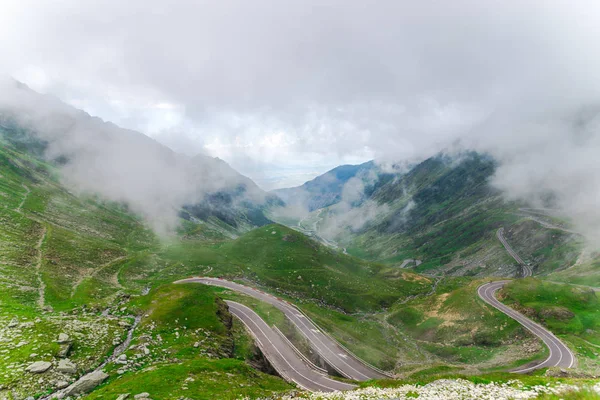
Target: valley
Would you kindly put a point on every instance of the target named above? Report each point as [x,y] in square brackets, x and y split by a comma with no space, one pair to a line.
[378,290]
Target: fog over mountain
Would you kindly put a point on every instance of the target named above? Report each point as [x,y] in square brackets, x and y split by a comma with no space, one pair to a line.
[305,82]
[98,157]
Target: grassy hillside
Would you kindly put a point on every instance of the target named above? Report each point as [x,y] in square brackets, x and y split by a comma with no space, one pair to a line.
[570,312]
[187,335]
[456,328]
[80,265]
[53,243]
[444,212]
[285,260]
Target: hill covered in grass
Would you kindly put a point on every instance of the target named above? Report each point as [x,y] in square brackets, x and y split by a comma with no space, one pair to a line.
[445,212]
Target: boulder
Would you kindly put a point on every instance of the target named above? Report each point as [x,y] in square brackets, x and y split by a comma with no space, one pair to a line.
[144,395]
[64,350]
[123,396]
[62,384]
[67,366]
[13,323]
[86,383]
[63,338]
[39,367]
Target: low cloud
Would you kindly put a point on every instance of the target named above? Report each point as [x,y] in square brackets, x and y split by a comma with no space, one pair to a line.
[119,165]
[298,82]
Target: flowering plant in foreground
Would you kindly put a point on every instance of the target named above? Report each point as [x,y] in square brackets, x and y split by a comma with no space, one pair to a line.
[446,389]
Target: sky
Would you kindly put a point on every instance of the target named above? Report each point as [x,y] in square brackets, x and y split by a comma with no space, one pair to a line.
[284,90]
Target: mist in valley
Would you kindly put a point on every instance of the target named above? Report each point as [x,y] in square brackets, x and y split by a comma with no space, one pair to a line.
[396,83]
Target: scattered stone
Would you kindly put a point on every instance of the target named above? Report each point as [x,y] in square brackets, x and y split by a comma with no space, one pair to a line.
[86,383]
[13,323]
[144,395]
[33,355]
[67,366]
[62,384]
[39,367]
[123,396]
[63,338]
[196,345]
[122,358]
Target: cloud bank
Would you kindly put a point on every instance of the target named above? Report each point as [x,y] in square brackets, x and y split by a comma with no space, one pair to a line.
[321,83]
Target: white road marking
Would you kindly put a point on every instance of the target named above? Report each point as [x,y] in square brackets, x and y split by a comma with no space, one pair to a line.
[240,308]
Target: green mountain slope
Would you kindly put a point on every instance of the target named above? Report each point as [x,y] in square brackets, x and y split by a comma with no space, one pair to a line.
[444,212]
[328,189]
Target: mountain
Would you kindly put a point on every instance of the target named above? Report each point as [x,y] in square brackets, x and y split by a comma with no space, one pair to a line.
[328,189]
[126,166]
[442,211]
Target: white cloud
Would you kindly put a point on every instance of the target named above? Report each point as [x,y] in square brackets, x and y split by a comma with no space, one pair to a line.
[314,83]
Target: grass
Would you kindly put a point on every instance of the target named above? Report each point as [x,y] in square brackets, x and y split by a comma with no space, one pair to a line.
[96,256]
[176,318]
[455,326]
[571,312]
[278,257]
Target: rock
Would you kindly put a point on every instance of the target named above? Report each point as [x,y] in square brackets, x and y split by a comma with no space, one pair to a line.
[122,357]
[63,338]
[557,312]
[123,396]
[86,383]
[144,395]
[67,366]
[64,350]
[13,323]
[557,372]
[62,384]
[33,355]
[39,367]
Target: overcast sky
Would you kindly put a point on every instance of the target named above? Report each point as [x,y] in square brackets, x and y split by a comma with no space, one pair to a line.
[284,90]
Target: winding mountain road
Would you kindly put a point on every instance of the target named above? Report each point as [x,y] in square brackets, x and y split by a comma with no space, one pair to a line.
[282,356]
[334,354]
[560,355]
[526,269]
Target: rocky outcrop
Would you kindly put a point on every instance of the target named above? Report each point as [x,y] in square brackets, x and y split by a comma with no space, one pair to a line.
[86,383]
[63,338]
[39,367]
[66,366]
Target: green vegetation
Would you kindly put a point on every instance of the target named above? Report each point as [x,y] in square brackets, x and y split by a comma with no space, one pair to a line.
[570,312]
[187,335]
[456,327]
[80,265]
[287,261]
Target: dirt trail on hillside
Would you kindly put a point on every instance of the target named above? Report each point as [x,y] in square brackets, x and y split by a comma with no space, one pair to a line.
[38,269]
[20,207]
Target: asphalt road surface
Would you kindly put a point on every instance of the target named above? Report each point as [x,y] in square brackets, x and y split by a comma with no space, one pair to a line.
[560,355]
[526,269]
[282,356]
[331,351]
